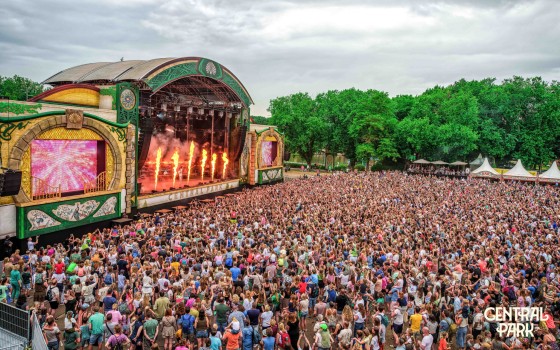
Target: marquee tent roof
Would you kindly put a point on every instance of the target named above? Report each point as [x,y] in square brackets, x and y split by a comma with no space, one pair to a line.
[518,171]
[552,172]
[478,160]
[458,163]
[421,161]
[439,162]
[485,167]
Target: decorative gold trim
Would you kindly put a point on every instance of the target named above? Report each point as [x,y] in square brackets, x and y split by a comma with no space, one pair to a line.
[69,134]
[26,172]
[63,199]
[266,135]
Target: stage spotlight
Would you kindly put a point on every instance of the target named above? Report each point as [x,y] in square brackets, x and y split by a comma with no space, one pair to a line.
[164,106]
[200,111]
[189,110]
[221,114]
[177,108]
[161,115]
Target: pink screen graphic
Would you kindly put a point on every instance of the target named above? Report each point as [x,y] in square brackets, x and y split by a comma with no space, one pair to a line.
[65,163]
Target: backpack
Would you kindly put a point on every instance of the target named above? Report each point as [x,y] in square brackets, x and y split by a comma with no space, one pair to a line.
[108,279]
[118,345]
[257,337]
[38,278]
[50,294]
[384,320]
[123,308]
[332,295]
[452,329]
[284,339]
[314,291]
[229,260]
[187,322]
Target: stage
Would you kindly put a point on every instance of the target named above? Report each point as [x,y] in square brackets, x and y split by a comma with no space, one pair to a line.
[166,185]
[186,194]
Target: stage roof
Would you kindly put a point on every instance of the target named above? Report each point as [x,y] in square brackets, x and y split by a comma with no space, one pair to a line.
[154,74]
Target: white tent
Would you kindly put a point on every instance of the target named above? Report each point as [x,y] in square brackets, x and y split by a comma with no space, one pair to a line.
[485,167]
[518,171]
[552,173]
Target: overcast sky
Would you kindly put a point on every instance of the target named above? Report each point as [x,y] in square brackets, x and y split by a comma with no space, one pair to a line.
[281,47]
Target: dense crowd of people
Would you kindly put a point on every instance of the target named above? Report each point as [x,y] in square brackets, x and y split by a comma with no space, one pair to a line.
[347,261]
[438,170]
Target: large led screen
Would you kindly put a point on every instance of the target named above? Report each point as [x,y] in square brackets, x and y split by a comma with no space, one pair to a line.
[65,163]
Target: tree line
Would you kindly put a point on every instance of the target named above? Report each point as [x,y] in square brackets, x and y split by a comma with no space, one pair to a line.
[518,118]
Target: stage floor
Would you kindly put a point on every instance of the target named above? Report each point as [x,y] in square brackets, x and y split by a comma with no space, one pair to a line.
[146,200]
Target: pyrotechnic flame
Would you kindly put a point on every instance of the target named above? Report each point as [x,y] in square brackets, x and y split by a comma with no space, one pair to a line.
[214,157]
[226,161]
[175,159]
[158,161]
[203,163]
[191,152]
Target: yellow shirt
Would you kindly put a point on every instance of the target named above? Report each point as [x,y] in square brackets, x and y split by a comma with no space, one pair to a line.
[194,312]
[415,322]
[175,265]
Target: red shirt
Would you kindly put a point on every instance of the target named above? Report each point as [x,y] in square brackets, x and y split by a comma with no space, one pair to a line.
[59,268]
[302,287]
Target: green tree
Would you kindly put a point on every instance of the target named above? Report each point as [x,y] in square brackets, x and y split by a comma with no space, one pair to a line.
[258,119]
[19,88]
[296,116]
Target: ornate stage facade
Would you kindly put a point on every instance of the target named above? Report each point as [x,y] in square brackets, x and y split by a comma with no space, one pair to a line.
[114,138]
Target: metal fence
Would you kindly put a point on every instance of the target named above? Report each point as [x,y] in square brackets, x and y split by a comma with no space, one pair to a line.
[10,341]
[15,321]
[37,339]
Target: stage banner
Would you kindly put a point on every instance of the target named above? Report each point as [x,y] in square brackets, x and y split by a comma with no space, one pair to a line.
[34,220]
[270,175]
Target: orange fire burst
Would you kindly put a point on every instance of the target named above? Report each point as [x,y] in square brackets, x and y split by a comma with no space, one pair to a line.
[158,161]
[191,152]
[226,161]
[203,163]
[175,159]
[214,157]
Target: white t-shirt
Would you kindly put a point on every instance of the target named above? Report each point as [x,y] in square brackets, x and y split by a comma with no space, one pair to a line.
[427,342]
[266,317]
[375,343]
[398,317]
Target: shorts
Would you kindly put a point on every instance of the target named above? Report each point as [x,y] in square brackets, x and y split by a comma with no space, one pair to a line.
[202,334]
[303,314]
[137,342]
[27,286]
[84,342]
[53,304]
[397,328]
[95,339]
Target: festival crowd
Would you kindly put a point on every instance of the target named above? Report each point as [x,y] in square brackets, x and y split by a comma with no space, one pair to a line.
[348,261]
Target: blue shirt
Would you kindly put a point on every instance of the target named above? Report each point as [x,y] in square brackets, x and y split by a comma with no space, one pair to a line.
[269,343]
[235,272]
[215,343]
[247,335]
[315,278]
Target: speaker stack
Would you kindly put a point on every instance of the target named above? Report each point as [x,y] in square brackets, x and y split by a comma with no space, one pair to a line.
[10,182]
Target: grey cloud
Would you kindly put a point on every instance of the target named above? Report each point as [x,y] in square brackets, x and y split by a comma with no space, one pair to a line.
[274,52]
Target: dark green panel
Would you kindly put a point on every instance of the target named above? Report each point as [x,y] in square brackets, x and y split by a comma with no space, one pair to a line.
[51,217]
[127,100]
